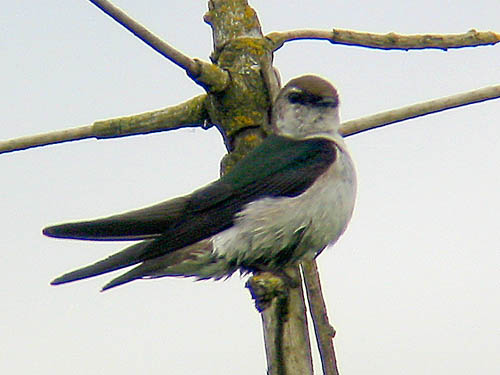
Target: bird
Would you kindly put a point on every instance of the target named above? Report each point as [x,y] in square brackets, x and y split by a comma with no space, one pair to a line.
[288,199]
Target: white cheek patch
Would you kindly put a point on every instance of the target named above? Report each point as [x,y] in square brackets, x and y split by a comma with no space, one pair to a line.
[299,121]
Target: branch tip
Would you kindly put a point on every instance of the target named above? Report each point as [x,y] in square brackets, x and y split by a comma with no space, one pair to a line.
[377,120]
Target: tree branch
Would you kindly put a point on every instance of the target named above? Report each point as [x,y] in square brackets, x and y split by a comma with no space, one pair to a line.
[419,109]
[271,77]
[191,113]
[317,307]
[472,38]
[207,75]
[284,320]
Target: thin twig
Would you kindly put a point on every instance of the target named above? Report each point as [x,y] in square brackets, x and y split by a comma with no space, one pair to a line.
[165,49]
[324,331]
[271,78]
[207,75]
[420,109]
[472,38]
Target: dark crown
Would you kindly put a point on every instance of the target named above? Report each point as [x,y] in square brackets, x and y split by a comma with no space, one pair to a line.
[314,86]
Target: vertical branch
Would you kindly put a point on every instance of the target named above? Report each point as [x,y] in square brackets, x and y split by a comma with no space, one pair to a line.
[324,331]
[284,320]
[296,340]
[273,321]
[242,112]
[271,78]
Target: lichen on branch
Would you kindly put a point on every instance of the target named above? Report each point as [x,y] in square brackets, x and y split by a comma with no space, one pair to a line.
[191,113]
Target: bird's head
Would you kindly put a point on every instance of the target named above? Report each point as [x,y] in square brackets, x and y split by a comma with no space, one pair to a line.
[308,106]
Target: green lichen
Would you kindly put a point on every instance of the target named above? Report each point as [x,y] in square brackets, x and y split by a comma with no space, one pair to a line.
[191,112]
[245,101]
[242,109]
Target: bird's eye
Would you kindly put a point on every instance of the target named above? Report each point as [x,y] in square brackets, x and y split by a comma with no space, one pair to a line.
[314,100]
[296,97]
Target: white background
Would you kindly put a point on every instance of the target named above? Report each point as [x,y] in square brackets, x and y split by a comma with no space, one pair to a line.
[413,285]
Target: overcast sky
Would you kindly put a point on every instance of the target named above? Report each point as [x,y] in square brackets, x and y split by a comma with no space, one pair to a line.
[413,285]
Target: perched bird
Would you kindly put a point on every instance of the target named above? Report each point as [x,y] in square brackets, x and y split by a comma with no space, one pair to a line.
[287,200]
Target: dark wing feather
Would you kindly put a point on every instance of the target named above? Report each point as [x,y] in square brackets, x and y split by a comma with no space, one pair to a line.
[138,224]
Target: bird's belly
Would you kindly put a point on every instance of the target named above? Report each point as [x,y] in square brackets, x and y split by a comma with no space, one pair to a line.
[273,231]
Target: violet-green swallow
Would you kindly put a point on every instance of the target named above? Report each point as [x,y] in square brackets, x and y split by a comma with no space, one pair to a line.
[287,200]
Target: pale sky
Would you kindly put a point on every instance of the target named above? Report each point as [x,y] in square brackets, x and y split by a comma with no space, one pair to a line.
[413,285]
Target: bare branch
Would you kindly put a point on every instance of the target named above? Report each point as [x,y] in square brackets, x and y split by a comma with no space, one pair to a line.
[271,77]
[207,75]
[472,38]
[317,307]
[146,36]
[420,109]
[188,114]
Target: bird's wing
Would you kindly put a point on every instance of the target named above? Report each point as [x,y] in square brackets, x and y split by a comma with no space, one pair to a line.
[278,167]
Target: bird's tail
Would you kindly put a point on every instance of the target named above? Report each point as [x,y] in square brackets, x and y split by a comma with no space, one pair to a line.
[197,260]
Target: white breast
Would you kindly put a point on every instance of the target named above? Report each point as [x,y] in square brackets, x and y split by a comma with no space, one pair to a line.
[317,217]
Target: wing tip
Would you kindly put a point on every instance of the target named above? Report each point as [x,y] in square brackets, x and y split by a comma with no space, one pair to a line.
[49,231]
[61,231]
[66,278]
